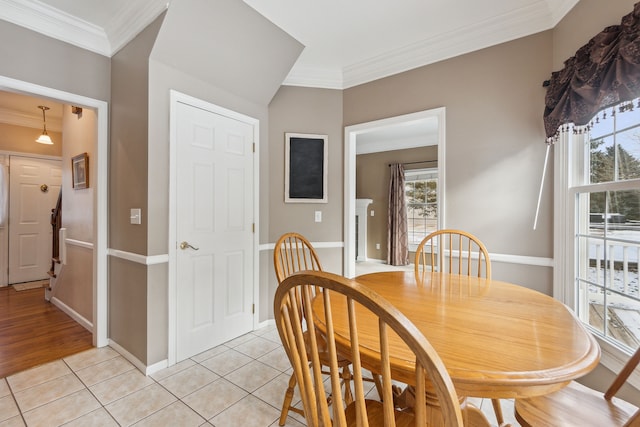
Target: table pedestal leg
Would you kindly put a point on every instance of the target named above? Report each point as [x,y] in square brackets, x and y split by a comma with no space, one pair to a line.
[472,416]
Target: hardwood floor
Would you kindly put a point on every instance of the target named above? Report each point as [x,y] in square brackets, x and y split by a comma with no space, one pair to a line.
[34,331]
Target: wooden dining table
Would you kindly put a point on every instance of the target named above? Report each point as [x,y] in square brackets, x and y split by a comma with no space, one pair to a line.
[496,339]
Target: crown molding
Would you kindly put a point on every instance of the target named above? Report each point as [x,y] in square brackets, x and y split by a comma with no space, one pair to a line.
[500,29]
[131,20]
[314,77]
[482,34]
[52,22]
[16,118]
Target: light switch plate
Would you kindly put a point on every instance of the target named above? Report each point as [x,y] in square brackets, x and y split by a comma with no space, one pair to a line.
[318,216]
[136,216]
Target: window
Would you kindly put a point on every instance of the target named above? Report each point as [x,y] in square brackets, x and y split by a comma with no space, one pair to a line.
[605,194]
[421,192]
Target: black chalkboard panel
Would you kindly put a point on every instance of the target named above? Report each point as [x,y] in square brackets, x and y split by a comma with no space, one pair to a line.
[306,163]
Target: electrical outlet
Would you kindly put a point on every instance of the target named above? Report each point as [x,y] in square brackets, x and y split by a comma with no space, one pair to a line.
[378,246]
[371,212]
[318,216]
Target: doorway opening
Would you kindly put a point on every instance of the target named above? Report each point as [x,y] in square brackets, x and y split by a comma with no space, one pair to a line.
[386,131]
[99,320]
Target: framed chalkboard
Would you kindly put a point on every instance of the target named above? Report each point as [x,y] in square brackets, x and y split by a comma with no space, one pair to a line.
[305,178]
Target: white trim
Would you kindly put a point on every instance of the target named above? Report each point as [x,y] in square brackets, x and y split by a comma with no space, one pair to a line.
[79,243]
[317,245]
[44,19]
[265,323]
[100,203]
[350,135]
[521,259]
[147,370]
[614,359]
[139,259]
[73,314]
[156,367]
[29,155]
[52,22]
[174,98]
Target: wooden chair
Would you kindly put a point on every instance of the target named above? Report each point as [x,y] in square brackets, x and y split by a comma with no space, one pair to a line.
[293,253]
[578,405]
[294,296]
[452,251]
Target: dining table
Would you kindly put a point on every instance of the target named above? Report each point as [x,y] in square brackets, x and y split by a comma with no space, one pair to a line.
[496,339]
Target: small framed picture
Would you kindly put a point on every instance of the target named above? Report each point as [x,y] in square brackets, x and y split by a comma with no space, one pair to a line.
[306,163]
[80,171]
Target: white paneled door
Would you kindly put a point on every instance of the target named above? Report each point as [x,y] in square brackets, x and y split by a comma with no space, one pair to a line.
[34,187]
[214,229]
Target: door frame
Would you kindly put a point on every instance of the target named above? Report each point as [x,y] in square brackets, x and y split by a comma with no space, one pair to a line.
[350,139]
[100,297]
[174,98]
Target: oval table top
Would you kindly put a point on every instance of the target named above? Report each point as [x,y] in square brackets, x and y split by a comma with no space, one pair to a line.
[497,340]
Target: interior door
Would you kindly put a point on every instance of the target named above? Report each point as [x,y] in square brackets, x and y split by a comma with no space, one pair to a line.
[214,214]
[34,185]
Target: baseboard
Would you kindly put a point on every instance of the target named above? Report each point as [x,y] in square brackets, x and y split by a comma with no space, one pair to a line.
[73,314]
[147,370]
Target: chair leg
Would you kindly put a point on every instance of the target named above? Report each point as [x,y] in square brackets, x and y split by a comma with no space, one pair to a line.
[288,397]
[378,383]
[346,379]
[498,410]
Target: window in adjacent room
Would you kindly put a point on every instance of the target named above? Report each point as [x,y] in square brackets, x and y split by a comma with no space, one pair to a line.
[421,192]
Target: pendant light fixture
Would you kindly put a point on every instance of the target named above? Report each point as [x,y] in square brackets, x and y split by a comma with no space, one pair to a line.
[44,138]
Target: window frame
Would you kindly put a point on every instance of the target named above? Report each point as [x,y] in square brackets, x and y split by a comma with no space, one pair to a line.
[434,174]
[570,155]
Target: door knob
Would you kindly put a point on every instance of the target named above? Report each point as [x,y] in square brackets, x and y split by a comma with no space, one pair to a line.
[185,245]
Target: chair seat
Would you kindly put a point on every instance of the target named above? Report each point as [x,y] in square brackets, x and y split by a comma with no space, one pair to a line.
[574,405]
[376,415]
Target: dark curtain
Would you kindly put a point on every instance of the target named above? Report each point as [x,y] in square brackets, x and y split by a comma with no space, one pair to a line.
[603,73]
[397,240]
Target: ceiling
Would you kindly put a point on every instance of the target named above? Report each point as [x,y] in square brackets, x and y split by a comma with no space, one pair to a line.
[346,42]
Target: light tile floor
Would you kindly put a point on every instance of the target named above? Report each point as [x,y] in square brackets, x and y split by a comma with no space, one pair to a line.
[239,383]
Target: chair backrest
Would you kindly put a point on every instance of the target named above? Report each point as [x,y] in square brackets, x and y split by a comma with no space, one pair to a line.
[293,253]
[453,251]
[361,311]
[623,375]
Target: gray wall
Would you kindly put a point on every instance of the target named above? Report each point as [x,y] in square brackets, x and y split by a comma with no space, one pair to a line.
[315,111]
[128,186]
[494,142]
[68,68]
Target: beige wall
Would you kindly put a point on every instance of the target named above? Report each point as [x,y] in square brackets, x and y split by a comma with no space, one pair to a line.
[21,139]
[74,284]
[80,136]
[372,182]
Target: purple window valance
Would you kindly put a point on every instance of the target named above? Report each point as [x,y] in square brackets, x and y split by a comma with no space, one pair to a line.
[602,73]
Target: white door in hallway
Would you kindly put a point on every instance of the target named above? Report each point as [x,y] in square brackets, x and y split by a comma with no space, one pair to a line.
[34,185]
[214,229]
